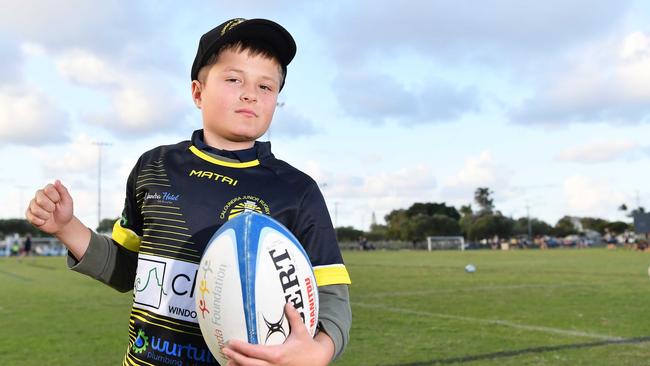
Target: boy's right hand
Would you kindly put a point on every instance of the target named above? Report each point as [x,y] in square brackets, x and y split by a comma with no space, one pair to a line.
[51,208]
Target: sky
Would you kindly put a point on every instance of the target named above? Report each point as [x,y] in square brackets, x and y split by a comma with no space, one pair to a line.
[386,103]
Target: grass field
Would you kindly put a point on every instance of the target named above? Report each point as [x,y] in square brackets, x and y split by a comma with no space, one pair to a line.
[555,307]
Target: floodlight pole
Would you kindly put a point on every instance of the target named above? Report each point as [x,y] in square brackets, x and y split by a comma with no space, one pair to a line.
[530,227]
[336,214]
[99,145]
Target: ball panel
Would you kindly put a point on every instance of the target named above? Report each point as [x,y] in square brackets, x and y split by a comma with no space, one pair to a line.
[291,279]
[219,296]
[276,262]
[247,246]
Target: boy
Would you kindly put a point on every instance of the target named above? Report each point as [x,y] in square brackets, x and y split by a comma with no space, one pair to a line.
[178,195]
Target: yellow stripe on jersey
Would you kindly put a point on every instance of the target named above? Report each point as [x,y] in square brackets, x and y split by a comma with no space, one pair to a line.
[334,274]
[126,237]
[206,157]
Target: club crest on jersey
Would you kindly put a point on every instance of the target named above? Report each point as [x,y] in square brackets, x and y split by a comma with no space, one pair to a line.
[241,204]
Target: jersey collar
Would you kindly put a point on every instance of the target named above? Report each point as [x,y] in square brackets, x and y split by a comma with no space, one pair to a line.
[234,159]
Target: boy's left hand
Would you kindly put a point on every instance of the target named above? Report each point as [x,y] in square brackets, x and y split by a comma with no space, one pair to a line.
[298,349]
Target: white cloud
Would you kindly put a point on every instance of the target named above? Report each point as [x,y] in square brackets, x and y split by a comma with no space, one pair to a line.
[33,49]
[454,31]
[140,102]
[599,151]
[76,165]
[79,157]
[636,45]
[604,82]
[378,98]
[287,122]
[78,23]
[478,171]
[407,182]
[591,197]
[29,117]
[386,191]
[85,68]
[11,60]
[315,170]
[140,110]
[380,192]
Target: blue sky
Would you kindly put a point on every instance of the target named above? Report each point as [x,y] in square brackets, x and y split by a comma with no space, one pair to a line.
[386,104]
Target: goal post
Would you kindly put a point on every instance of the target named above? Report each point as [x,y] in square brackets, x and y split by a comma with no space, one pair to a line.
[445,242]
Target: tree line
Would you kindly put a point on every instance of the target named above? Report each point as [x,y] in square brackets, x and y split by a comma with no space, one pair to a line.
[22,227]
[482,221]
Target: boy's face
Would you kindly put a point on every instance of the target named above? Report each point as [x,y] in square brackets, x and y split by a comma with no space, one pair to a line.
[237,99]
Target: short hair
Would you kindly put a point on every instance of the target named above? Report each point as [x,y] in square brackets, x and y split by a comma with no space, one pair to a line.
[253,47]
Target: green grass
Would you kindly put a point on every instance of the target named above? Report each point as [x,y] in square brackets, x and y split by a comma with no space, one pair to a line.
[555,307]
[50,315]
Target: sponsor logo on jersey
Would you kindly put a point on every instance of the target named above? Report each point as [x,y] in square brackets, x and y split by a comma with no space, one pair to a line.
[162,197]
[148,286]
[166,287]
[241,204]
[141,342]
[219,178]
[169,352]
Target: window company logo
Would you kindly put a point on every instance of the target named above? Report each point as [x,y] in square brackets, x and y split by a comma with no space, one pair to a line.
[166,286]
[141,342]
[148,286]
[241,204]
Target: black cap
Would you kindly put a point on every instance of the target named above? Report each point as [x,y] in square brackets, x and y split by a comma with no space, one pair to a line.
[273,34]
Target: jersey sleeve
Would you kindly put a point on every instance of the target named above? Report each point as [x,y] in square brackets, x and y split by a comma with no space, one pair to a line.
[106,262]
[317,235]
[335,315]
[113,261]
[127,230]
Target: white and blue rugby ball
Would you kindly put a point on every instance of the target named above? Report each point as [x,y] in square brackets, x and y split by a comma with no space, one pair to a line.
[251,267]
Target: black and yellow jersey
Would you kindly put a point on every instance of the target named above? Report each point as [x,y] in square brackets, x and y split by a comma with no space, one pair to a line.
[177,197]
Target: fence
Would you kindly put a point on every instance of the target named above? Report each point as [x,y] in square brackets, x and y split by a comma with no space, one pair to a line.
[13,245]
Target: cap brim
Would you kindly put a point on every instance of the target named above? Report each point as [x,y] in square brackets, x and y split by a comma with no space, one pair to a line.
[271,33]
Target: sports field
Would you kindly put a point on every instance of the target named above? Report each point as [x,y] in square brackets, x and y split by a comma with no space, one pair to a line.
[527,307]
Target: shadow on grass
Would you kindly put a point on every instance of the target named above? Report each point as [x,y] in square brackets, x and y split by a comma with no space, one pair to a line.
[503,354]
[39,265]
[14,275]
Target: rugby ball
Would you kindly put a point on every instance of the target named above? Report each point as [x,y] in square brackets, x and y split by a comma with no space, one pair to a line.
[250,269]
[470,268]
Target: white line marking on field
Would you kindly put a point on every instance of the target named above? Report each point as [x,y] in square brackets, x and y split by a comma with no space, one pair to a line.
[492,321]
[470,289]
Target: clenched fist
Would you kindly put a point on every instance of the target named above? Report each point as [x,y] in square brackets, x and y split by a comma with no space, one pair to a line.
[51,208]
